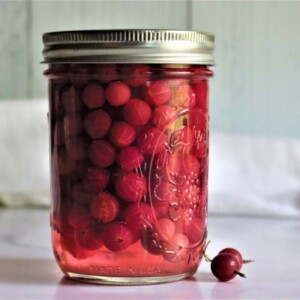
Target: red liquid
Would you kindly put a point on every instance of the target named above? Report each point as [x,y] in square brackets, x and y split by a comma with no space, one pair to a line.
[151,217]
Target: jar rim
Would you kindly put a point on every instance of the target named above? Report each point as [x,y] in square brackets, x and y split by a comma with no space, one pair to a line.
[157,46]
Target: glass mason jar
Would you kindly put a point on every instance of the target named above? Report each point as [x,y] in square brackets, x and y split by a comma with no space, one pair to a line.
[129,152]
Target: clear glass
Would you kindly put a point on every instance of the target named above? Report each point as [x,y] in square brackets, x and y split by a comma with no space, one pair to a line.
[129,166]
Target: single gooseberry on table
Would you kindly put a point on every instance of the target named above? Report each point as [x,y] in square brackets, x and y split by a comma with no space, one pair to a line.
[237,254]
[226,264]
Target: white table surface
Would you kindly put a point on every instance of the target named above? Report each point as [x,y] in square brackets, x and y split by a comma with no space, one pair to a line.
[28,269]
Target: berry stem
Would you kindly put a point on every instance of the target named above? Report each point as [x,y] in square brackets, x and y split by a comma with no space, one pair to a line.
[207,259]
[246,261]
[240,274]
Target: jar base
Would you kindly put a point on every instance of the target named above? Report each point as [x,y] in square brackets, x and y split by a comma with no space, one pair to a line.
[107,280]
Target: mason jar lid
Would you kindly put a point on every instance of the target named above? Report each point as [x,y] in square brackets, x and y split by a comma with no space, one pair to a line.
[129,46]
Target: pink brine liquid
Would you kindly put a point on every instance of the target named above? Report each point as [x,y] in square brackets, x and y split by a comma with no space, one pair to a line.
[129,164]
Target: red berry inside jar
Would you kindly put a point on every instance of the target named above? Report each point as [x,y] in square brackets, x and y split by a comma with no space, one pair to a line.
[151,141]
[122,134]
[97,123]
[117,93]
[138,216]
[117,237]
[102,153]
[93,95]
[137,112]
[131,187]
[130,158]
[104,207]
[157,92]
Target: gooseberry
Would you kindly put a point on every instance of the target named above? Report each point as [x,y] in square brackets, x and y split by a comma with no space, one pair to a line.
[225,267]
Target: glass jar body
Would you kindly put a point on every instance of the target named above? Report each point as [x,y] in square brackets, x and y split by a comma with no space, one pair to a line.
[129,170]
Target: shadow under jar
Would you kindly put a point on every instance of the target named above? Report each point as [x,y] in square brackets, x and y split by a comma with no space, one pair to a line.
[129,153]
